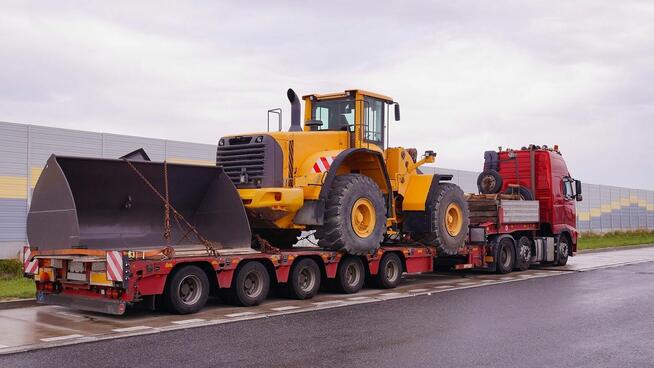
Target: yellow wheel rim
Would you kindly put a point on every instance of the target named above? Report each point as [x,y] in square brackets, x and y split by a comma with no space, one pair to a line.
[453,219]
[363,217]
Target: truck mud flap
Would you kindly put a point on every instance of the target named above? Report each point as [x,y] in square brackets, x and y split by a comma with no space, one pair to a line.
[113,204]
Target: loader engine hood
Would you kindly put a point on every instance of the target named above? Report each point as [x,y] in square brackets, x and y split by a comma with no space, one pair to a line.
[105,204]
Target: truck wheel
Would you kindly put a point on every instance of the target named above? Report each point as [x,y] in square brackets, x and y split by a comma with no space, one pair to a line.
[523,254]
[304,280]
[187,291]
[390,272]
[489,182]
[505,256]
[279,238]
[350,275]
[355,215]
[251,285]
[562,250]
[521,191]
[451,218]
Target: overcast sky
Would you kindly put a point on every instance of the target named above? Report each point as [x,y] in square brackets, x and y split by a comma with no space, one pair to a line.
[469,75]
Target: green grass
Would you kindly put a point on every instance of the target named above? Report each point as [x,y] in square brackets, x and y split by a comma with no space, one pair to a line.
[614,239]
[16,288]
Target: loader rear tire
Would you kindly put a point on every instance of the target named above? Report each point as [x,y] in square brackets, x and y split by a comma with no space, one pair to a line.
[451,219]
[355,216]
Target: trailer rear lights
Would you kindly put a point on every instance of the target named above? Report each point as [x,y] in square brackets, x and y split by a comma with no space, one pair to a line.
[489,259]
[46,274]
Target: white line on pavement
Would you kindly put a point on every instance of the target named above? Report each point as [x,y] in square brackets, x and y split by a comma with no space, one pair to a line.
[359,298]
[443,286]
[328,302]
[417,290]
[130,329]
[186,321]
[240,314]
[467,283]
[3,346]
[288,307]
[57,338]
[391,294]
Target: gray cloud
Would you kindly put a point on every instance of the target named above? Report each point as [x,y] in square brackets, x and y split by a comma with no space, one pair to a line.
[470,76]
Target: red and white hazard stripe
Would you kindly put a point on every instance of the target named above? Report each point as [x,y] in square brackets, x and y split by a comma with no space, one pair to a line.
[114,266]
[322,164]
[29,267]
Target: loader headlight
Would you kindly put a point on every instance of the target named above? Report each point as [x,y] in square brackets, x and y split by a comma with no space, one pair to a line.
[259,139]
[221,142]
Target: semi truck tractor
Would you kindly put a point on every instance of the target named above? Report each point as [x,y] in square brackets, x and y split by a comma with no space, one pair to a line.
[105,233]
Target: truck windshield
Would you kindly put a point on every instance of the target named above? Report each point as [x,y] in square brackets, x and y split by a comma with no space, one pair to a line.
[337,114]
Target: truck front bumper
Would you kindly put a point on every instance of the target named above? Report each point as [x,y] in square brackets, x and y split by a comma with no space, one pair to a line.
[115,307]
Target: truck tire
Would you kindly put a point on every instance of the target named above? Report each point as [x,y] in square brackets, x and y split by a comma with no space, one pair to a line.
[251,285]
[523,192]
[355,216]
[489,182]
[187,291]
[389,273]
[562,249]
[505,259]
[523,254]
[279,238]
[350,275]
[304,281]
[451,218]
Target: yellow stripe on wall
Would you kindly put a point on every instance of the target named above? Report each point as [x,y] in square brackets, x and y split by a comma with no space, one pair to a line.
[583,216]
[13,187]
[34,175]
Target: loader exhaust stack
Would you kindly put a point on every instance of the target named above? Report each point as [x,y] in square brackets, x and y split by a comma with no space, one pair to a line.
[107,204]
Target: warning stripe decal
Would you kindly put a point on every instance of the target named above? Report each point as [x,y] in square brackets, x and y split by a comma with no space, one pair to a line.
[322,164]
[114,266]
[29,267]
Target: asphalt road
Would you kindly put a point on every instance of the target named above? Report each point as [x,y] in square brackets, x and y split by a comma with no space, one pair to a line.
[600,318]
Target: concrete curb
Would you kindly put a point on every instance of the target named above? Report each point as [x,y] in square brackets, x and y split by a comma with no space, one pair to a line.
[18,303]
[611,249]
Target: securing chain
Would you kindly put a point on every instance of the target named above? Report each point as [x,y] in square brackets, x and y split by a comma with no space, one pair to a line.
[210,246]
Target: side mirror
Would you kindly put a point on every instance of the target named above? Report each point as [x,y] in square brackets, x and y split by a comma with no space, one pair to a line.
[578,196]
[313,124]
[397,111]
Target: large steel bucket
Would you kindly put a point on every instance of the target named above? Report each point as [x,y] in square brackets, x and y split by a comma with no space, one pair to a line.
[105,204]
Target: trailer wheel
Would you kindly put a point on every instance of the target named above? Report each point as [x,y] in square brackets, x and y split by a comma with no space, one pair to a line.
[355,215]
[562,250]
[304,280]
[251,285]
[187,291]
[390,272]
[523,254]
[505,259]
[350,275]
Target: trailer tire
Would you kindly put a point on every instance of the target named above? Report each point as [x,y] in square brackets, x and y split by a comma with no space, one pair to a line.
[489,182]
[251,285]
[389,273]
[187,291]
[350,275]
[355,215]
[562,249]
[451,219]
[304,280]
[523,254]
[505,259]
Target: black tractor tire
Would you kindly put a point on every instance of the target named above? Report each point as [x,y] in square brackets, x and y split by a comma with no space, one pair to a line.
[389,273]
[446,243]
[562,249]
[250,285]
[187,290]
[523,254]
[489,182]
[279,238]
[523,192]
[338,230]
[505,256]
[350,276]
[304,280]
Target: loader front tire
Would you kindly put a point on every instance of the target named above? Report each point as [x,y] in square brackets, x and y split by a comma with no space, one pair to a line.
[355,216]
[450,217]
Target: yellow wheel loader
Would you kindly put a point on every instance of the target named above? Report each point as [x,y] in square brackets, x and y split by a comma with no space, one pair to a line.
[333,174]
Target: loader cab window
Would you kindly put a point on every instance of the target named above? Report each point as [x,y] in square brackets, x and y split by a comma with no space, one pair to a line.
[337,114]
[373,120]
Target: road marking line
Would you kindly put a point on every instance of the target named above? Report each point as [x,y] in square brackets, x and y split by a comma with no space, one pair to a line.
[417,290]
[57,338]
[240,314]
[328,302]
[285,308]
[467,283]
[130,329]
[3,346]
[185,321]
[391,294]
[359,298]
[507,278]
[443,286]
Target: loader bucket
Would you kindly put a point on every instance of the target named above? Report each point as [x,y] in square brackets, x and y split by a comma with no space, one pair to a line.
[105,204]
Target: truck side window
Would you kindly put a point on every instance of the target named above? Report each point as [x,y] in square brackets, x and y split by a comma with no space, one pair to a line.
[568,192]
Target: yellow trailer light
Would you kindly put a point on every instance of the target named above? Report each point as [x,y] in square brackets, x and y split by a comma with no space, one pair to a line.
[100,278]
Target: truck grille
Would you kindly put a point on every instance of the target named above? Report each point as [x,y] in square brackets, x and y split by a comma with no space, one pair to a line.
[257,162]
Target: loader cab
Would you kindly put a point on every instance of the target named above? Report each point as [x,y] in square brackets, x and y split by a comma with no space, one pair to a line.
[363,115]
